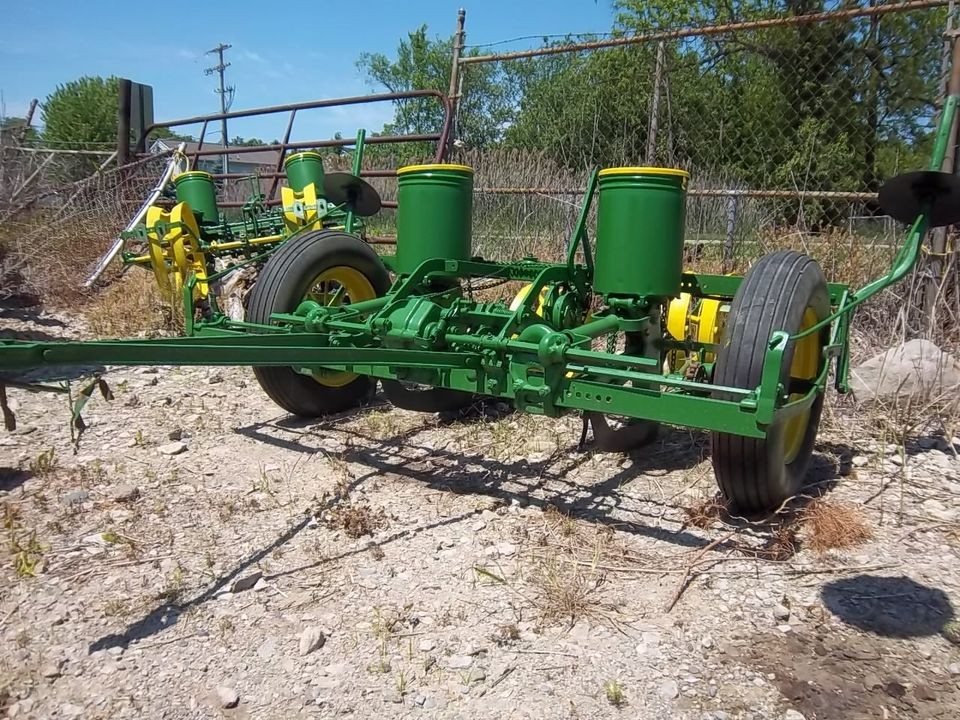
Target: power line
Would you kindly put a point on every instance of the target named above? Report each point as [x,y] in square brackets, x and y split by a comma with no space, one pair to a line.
[223,91]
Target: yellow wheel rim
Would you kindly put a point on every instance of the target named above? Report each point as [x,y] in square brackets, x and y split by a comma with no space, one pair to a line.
[340,285]
[806,363]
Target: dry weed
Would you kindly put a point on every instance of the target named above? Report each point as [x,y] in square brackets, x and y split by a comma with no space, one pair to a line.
[565,589]
[133,306]
[355,520]
[833,525]
[506,634]
[782,544]
[705,512]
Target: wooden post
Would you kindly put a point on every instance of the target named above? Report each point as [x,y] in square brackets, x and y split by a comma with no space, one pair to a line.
[453,93]
[28,120]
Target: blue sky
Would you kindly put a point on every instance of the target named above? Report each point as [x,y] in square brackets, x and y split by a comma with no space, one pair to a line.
[301,52]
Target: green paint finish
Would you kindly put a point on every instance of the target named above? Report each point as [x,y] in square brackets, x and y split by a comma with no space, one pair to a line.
[197,189]
[435,204]
[303,168]
[639,244]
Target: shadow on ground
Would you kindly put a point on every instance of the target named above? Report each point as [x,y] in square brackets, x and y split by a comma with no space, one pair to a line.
[12,478]
[896,607]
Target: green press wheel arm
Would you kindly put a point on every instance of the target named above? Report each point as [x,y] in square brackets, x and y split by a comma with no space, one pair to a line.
[357,167]
[909,253]
[580,229]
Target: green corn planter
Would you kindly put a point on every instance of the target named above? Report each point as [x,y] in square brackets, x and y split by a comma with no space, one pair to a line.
[197,189]
[304,168]
[435,205]
[640,231]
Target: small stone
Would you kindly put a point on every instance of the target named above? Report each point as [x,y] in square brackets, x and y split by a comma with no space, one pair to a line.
[669,690]
[781,612]
[507,549]
[954,669]
[792,714]
[246,582]
[860,460]
[125,493]
[68,710]
[459,662]
[51,670]
[267,649]
[228,697]
[173,448]
[784,628]
[706,641]
[175,434]
[419,700]
[215,378]
[474,675]
[393,697]
[75,497]
[312,638]
[426,645]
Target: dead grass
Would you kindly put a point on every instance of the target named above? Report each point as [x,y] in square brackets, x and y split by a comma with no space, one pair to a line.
[705,512]
[833,525]
[565,589]
[133,306]
[355,520]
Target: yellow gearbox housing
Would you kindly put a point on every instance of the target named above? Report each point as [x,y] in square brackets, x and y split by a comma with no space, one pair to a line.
[697,319]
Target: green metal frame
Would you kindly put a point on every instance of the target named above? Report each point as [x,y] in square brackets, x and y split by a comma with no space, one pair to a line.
[539,355]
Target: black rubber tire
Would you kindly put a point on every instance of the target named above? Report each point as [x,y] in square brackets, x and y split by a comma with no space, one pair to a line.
[429,400]
[774,295]
[281,286]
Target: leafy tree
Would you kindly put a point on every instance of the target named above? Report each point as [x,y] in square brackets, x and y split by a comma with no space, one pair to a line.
[168,134]
[826,106]
[81,115]
[425,64]
[246,142]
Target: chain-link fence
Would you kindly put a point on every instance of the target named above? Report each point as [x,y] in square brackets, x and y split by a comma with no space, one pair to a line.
[787,122]
[53,227]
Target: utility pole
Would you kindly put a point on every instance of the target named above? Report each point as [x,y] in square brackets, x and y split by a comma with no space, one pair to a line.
[223,91]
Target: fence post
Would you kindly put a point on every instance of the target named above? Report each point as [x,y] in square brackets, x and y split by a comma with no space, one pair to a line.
[731,228]
[654,125]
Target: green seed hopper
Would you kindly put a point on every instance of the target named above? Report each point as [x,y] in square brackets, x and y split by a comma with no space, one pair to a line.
[618,330]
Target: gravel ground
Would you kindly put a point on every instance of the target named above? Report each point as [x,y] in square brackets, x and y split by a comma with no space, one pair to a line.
[201,554]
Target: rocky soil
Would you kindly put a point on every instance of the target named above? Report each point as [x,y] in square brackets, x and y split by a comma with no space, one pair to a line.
[201,554]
